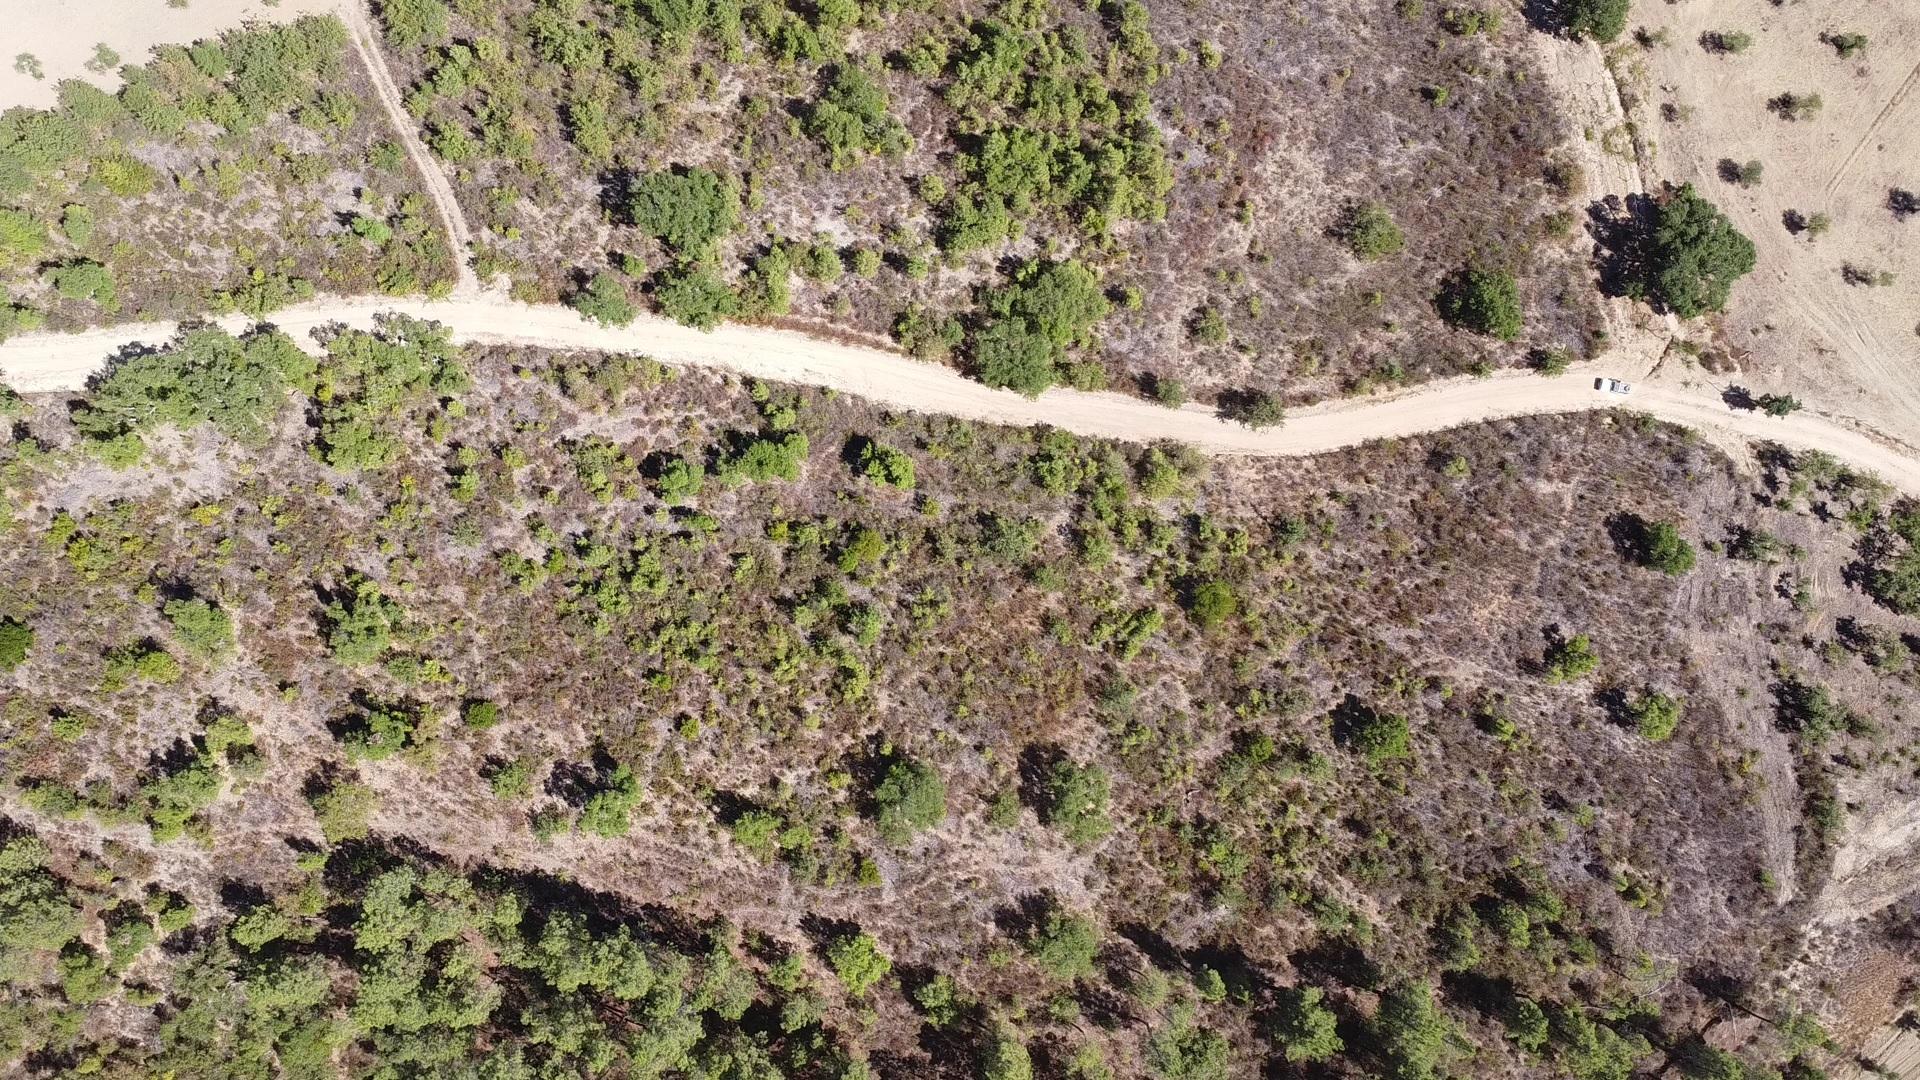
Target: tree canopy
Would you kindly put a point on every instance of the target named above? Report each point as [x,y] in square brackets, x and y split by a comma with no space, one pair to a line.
[1696,255]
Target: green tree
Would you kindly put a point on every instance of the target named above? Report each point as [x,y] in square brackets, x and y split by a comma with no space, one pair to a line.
[884,464]
[1696,255]
[1571,658]
[1410,1033]
[1049,307]
[1655,715]
[206,631]
[692,295]
[209,376]
[1212,603]
[84,279]
[1370,233]
[851,118]
[1658,545]
[1064,944]
[1074,800]
[686,210]
[361,622]
[858,962]
[16,641]
[910,797]
[1482,300]
[1005,1057]
[1601,20]
[344,810]
[1186,1051]
[1305,1028]
[605,301]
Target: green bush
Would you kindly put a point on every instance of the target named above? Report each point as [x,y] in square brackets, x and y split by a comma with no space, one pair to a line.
[858,962]
[886,465]
[688,211]
[1305,1029]
[1601,20]
[1696,255]
[84,279]
[1370,233]
[206,631]
[910,797]
[208,377]
[1064,944]
[851,118]
[344,811]
[1482,300]
[1658,545]
[1571,658]
[16,641]
[1655,715]
[1212,603]
[605,301]
[1074,800]
[609,811]
[1031,323]
[695,297]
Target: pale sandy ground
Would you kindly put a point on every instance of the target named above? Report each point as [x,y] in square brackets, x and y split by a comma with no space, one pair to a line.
[1853,349]
[64,362]
[62,34]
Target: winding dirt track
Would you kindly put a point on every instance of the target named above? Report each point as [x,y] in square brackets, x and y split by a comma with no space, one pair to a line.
[55,362]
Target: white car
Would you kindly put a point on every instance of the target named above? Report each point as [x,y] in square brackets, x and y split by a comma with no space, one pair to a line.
[1613,386]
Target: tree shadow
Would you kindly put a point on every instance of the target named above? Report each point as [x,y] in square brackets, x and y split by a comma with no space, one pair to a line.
[1622,231]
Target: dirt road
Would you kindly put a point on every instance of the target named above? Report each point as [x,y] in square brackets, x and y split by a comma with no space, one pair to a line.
[44,362]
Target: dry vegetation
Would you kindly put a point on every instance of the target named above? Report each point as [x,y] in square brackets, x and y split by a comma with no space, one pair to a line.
[1114,753]
[241,173]
[1205,162]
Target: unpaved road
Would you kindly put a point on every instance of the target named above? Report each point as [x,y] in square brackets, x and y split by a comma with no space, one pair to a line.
[51,362]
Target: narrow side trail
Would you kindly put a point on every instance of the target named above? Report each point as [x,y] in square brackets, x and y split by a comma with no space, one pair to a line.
[52,362]
[459,236]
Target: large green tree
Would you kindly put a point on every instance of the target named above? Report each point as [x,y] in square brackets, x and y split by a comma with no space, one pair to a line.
[1696,255]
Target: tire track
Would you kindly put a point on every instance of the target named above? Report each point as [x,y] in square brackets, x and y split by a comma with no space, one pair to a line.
[459,237]
[1899,97]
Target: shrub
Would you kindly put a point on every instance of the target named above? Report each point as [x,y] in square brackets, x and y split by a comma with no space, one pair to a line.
[360,624]
[1005,1057]
[1370,233]
[1212,603]
[609,812]
[1064,944]
[1778,404]
[16,641]
[1729,42]
[1601,20]
[1696,255]
[851,118]
[383,730]
[344,811]
[414,22]
[205,630]
[22,236]
[1381,738]
[1846,44]
[909,797]
[1571,658]
[886,465]
[1305,1028]
[1411,1033]
[695,297]
[1185,1051]
[686,210]
[858,962]
[480,714]
[1655,715]
[1658,545]
[1257,409]
[1482,300]
[605,301]
[84,279]
[1074,800]
[1031,323]
[1795,107]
